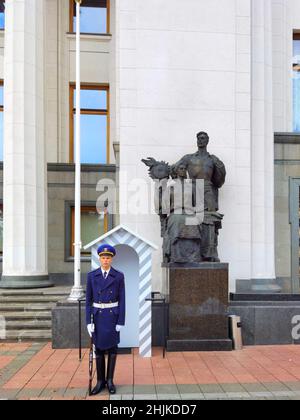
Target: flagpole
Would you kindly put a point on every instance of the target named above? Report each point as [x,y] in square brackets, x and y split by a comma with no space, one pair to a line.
[77,291]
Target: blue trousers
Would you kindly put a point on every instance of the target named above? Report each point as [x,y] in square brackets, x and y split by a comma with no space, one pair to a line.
[113,350]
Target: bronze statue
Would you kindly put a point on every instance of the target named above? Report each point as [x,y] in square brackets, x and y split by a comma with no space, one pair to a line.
[189,242]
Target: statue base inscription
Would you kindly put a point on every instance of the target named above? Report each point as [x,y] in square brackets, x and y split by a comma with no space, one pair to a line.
[198,302]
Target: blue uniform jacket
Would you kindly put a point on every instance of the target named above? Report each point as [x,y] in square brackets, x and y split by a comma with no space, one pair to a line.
[109,290]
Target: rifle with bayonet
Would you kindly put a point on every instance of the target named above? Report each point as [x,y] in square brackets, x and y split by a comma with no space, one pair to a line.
[91,360]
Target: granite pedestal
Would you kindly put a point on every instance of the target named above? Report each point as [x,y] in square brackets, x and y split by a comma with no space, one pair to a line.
[65,327]
[198,302]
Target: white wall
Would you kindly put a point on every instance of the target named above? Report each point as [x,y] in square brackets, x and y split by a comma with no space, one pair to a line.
[286,18]
[282,23]
[185,67]
[294,7]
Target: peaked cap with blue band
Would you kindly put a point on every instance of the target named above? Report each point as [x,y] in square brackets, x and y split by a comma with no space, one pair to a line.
[106,250]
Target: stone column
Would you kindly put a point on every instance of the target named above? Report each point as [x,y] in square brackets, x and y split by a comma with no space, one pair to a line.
[25,171]
[263,249]
[282,65]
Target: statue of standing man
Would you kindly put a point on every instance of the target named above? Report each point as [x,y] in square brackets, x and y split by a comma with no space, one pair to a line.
[198,166]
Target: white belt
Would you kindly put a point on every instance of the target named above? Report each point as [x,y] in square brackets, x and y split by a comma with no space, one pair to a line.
[105,305]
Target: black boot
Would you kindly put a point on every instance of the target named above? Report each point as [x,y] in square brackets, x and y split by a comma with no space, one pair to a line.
[112,358]
[101,383]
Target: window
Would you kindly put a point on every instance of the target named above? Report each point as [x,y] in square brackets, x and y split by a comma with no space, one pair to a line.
[1,229]
[2,14]
[1,120]
[296,82]
[93,225]
[94,17]
[94,124]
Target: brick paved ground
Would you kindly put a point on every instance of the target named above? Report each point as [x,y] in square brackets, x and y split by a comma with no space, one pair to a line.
[35,371]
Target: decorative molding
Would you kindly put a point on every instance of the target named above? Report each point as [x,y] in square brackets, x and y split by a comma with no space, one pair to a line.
[70,167]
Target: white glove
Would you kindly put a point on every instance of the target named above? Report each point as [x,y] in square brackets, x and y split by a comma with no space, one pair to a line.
[119,327]
[91,329]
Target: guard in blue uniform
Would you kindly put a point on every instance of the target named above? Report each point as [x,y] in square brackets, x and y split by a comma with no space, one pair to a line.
[105,304]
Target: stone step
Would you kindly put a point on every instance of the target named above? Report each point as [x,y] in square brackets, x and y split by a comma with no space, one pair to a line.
[57,291]
[14,316]
[27,335]
[25,315]
[30,299]
[29,307]
[28,325]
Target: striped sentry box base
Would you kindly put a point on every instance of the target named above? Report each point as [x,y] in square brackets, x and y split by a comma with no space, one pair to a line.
[144,249]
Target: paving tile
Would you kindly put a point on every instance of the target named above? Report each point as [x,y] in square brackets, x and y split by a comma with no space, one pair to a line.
[141,379]
[125,389]
[188,389]
[98,398]
[215,396]
[254,387]
[238,395]
[115,397]
[8,394]
[211,389]
[284,393]
[275,386]
[145,397]
[29,393]
[193,396]
[50,392]
[261,394]
[293,386]
[144,389]
[168,397]
[167,389]
[127,397]
[163,380]
[6,360]
[76,392]
[232,388]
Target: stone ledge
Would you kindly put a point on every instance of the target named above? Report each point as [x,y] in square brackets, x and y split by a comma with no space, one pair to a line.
[193,266]
[90,37]
[287,138]
[70,167]
[267,297]
[199,345]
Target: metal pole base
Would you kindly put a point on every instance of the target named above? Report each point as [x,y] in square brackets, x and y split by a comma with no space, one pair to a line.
[76,294]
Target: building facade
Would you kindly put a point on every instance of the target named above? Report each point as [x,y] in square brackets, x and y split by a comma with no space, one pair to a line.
[154,73]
